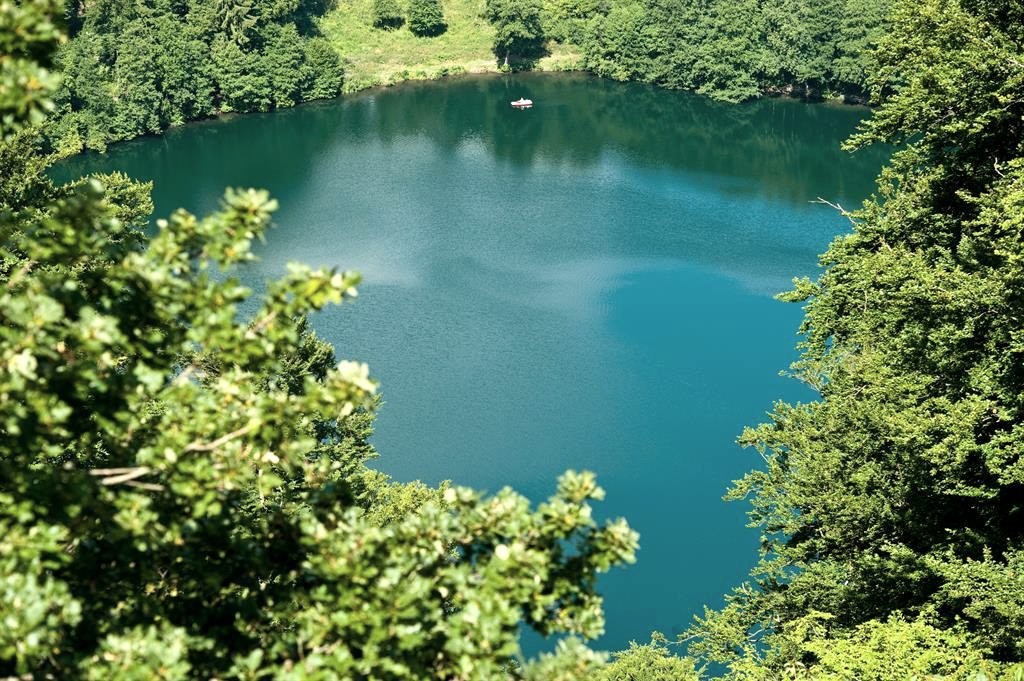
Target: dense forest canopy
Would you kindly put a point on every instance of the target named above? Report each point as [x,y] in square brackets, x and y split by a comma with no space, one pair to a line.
[735,49]
[134,67]
[184,490]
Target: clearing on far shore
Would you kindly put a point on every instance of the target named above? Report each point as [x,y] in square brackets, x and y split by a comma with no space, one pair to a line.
[375,57]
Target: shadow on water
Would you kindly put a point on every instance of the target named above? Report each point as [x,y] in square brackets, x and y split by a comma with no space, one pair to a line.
[783,146]
[686,148]
[586,284]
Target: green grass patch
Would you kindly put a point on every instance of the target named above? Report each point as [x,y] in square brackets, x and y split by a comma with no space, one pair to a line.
[375,57]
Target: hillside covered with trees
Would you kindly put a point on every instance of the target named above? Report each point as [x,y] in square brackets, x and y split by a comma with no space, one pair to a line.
[133,68]
[184,491]
[731,49]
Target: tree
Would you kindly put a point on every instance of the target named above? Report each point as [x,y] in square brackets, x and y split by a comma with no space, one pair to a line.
[135,69]
[890,507]
[800,40]
[323,72]
[648,662]
[426,18]
[727,57]
[518,31]
[182,489]
[860,27]
[616,46]
[387,14]
[159,78]
[737,49]
[241,81]
[566,20]
[282,61]
[237,19]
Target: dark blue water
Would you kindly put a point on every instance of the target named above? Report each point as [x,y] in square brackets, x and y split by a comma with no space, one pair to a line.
[587,284]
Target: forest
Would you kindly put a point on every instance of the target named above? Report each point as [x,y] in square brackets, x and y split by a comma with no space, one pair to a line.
[734,49]
[133,68]
[184,489]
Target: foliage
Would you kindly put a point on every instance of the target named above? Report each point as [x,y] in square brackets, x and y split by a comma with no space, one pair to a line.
[28,37]
[22,167]
[244,86]
[878,651]
[322,70]
[570,661]
[517,26]
[183,491]
[874,651]
[566,21]
[387,14]
[891,507]
[652,661]
[133,69]
[736,49]
[426,18]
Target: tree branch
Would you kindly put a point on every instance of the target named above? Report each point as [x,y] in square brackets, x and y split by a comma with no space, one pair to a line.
[842,211]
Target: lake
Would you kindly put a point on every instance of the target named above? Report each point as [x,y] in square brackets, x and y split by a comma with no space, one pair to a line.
[586,284]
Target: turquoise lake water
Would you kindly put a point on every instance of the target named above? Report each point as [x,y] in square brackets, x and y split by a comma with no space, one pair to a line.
[587,284]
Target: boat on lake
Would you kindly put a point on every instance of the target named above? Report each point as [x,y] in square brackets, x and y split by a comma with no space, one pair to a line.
[522,103]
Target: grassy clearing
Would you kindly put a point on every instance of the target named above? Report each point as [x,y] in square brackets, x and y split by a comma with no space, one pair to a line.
[376,57]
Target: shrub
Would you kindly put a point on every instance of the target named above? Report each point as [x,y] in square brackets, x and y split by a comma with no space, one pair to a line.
[426,18]
[387,14]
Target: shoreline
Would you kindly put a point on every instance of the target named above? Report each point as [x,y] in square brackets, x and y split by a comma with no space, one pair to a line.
[420,76]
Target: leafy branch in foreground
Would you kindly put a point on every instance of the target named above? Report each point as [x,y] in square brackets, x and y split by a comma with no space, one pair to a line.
[149,497]
[182,488]
[891,508]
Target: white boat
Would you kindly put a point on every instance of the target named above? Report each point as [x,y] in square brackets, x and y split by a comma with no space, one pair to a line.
[522,103]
